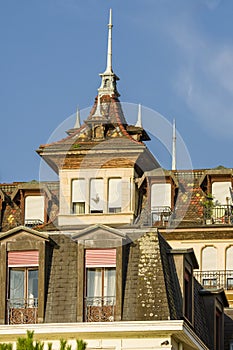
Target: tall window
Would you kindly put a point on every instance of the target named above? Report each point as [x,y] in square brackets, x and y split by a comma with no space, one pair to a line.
[229,267]
[96,195]
[22,286]
[114,195]
[100,284]
[78,196]
[34,210]
[209,267]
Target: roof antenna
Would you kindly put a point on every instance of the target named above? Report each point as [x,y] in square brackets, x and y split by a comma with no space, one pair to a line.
[139,121]
[77,122]
[174,145]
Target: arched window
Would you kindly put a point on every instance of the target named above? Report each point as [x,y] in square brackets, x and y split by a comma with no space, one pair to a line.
[209,267]
[229,267]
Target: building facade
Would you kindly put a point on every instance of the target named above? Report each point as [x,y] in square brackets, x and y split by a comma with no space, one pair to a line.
[119,252]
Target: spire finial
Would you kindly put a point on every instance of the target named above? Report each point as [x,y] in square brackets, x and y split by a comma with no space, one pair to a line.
[109,53]
[139,121]
[77,122]
[108,83]
[174,145]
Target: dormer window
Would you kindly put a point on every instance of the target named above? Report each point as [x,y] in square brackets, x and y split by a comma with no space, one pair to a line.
[34,210]
[221,192]
[114,195]
[160,202]
[78,196]
[96,195]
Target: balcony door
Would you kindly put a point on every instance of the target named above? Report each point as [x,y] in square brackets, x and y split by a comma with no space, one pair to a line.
[22,303]
[100,285]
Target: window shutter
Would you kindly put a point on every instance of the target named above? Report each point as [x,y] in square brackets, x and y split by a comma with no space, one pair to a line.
[34,208]
[100,257]
[114,196]
[161,195]
[23,258]
[78,190]
[97,195]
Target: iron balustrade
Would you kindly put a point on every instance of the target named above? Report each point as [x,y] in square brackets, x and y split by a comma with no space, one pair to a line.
[32,222]
[215,279]
[218,214]
[160,214]
[100,309]
[22,311]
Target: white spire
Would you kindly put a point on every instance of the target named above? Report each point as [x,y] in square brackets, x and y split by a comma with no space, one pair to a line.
[77,122]
[139,121]
[109,53]
[97,111]
[174,145]
[108,81]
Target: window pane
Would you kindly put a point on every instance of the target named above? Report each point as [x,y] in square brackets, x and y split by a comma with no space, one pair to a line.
[33,284]
[97,196]
[79,208]
[94,282]
[17,287]
[114,195]
[109,282]
[78,190]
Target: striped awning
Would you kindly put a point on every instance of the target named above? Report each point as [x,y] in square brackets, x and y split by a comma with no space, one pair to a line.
[23,258]
[100,257]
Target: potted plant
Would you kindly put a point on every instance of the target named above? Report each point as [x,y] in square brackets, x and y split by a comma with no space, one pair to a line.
[208,208]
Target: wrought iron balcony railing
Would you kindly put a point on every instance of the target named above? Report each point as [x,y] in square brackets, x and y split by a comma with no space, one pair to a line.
[160,215]
[32,222]
[215,279]
[22,311]
[100,309]
[219,214]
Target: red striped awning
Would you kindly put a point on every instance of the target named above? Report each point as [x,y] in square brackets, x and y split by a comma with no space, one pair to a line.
[23,258]
[100,257]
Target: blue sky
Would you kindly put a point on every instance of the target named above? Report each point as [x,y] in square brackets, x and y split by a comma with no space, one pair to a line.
[172,56]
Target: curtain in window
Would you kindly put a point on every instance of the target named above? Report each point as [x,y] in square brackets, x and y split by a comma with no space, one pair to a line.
[109,285]
[17,278]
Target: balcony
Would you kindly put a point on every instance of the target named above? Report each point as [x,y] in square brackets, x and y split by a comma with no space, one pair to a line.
[22,311]
[219,214]
[160,215]
[215,279]
[32,222]
[100,309]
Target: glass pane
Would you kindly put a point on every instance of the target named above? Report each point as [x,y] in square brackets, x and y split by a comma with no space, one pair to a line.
[109,282]
[33,284]
[17,287]
[94,282]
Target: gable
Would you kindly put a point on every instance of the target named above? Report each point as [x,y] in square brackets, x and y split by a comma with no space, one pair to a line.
[100,236]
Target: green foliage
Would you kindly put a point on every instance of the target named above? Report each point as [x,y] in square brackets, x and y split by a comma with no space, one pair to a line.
[28,343]
[5,346]
[81,345]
